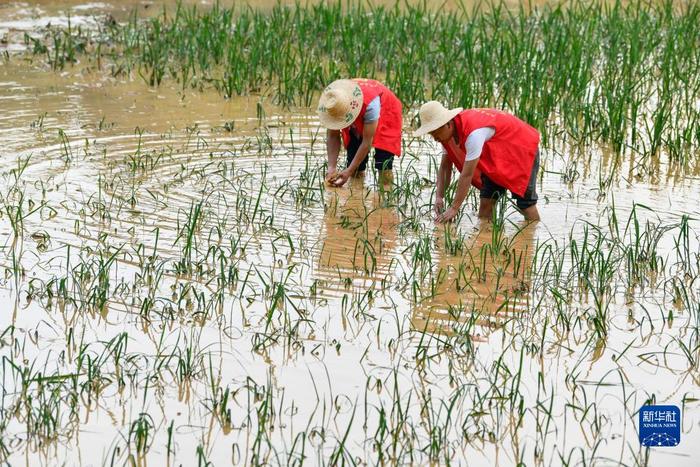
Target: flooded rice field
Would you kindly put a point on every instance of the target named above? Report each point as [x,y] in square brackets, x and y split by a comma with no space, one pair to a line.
[180,287]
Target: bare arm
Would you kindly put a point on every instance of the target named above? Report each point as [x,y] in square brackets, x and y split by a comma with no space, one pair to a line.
[444,176]
[332,149]
[360,155]
[465,179]
[365,146]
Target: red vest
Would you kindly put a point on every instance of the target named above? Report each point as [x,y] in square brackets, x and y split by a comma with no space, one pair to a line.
[507,158]
[388,134]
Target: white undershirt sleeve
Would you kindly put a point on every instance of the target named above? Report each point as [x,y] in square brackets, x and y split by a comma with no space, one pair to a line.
[373,110]
[476,140]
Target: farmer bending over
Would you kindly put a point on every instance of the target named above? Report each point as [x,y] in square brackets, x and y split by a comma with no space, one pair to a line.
[367,115]
[493,150]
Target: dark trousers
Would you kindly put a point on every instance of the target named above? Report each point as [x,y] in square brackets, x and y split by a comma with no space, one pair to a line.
[494,191]
[383,160]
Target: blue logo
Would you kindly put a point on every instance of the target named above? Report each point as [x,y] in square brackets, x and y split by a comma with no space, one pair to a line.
[659,425]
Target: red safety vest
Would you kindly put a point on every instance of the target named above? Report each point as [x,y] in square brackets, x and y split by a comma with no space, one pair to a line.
[507,158]
[388,134]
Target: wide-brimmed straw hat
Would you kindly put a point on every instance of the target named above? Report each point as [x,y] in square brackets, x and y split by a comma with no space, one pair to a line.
[433,115]
[340,104]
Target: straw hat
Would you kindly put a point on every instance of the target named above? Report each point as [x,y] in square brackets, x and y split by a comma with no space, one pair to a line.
[433,115]
[340,104]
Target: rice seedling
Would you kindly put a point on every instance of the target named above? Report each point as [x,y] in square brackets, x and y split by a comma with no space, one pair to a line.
[140,434]
[595,89]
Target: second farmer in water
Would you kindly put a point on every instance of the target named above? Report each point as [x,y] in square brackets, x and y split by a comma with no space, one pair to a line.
[360,114]
[493,150]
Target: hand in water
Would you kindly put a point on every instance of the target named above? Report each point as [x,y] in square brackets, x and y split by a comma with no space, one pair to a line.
[331,176]
[341,178]
[447,216]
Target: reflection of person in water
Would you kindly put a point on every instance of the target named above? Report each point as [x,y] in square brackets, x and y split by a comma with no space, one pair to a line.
[359,234]
[488,278]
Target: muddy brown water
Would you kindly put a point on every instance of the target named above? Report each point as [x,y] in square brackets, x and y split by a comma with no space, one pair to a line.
[357,322]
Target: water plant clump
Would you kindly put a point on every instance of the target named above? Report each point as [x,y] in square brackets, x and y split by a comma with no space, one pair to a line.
[620,72]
